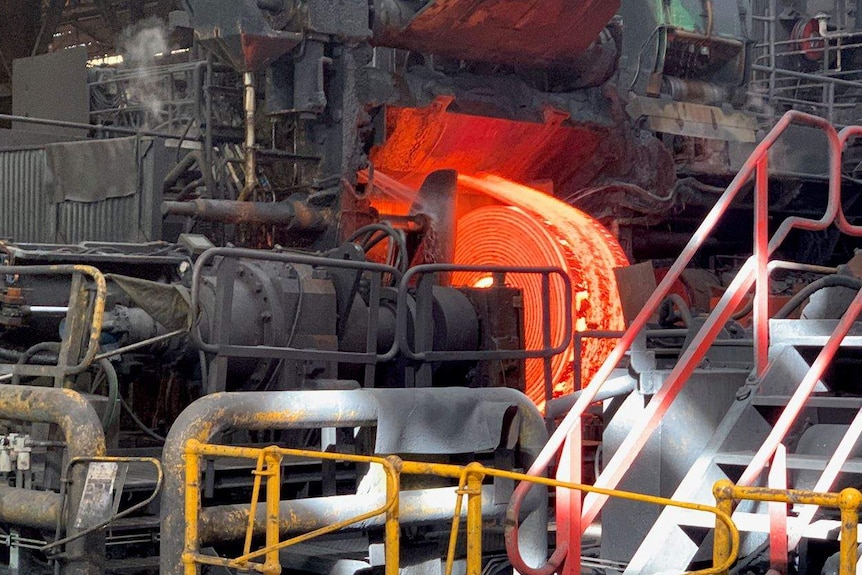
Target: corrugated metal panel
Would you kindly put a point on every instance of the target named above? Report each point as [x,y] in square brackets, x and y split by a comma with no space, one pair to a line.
[113,220]
[28,216]
[24,209]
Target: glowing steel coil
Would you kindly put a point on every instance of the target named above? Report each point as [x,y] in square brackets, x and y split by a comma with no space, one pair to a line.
[536,229]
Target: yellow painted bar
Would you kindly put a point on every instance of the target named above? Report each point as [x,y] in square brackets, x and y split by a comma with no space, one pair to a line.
[850,499]
[193,503]
[213,450]
[252,512]
[438,469]
[456,520]
[323,530]
[470,484]
[475,475]
[392,540]
[272,565]
[799,496]
[722,490]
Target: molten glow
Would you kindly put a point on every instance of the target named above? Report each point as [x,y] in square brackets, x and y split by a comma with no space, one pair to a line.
[533,228]
[484,282]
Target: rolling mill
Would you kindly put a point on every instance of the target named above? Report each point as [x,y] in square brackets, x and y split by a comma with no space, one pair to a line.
[384,287]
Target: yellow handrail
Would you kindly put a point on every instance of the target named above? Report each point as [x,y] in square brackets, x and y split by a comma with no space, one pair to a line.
[848,501]
[470,479]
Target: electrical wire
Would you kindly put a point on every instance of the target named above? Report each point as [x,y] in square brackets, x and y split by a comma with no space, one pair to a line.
[143,427]
[847,282]
[641,53]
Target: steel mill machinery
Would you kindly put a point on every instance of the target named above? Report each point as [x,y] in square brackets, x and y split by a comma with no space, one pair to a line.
[341,286]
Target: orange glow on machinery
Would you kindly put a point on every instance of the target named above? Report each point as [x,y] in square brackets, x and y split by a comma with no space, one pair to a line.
[509,224]
[531,228]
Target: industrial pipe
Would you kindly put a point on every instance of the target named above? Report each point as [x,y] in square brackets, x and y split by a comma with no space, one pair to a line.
[82,432]
[29,508]
[295,214]
[250,165]
[213,414]
[615,387]
[229,522]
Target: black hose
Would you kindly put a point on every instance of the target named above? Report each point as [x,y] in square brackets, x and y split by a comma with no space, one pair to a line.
[815,286]
[12,356]
[391,232]
[110,413]
[141,425]
[49,346]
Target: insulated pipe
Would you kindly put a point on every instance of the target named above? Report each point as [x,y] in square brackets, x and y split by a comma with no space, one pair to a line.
[177,171]
[250,165]
[615,387]
[82,432]
[213,414]
[29,508]
[295,214]
[229,522]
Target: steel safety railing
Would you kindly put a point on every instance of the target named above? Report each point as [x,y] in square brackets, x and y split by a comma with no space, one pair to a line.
[797,401]
[84,316]
[806,387]
[420,349]
[269,466]
[470,480]
[753,273]
[848,501]
[776,79]
[222,347]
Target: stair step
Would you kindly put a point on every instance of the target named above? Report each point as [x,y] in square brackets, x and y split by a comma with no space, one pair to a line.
[821,529]
[832,402]
[794,461]
[810,332]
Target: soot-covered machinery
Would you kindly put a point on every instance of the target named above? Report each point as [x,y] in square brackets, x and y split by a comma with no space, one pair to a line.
[143,331]
[347,227]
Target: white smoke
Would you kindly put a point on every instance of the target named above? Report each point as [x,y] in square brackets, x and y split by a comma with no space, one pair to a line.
[141,45]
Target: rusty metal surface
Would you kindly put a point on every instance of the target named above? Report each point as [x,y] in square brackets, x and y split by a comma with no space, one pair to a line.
[29,508]
[228,522]
[82,432]
[546,33]
[294,214]
[696,120]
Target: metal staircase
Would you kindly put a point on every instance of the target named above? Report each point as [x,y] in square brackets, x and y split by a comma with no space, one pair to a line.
[776,405]
[737,446]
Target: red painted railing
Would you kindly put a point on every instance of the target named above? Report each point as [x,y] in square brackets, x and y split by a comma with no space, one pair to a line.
[753,273]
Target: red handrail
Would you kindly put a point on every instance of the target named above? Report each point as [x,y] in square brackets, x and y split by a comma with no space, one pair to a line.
[841,221]
[754,269]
